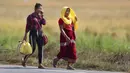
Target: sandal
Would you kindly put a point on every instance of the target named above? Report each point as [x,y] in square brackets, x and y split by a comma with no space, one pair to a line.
[55,62]
[41,66]
[70,68]
[23,62]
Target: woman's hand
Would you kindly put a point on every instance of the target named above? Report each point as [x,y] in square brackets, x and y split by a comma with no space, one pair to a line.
[68,40]
[72,41]
[40,14]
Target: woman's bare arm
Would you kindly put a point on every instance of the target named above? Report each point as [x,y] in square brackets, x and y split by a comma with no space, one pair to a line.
[25,36]
[64,34]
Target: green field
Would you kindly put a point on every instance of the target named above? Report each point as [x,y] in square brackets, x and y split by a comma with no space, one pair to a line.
[103,37]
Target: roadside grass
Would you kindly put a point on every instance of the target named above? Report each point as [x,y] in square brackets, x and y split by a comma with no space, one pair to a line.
[99,52]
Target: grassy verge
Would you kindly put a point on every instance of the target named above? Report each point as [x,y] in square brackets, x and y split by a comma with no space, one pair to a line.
[100,52]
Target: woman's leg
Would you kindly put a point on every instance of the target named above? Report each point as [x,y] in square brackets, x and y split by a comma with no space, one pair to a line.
[60,55]
[32,41]
[55,60]
[40,57]
[72,56]
[69,66]
[40,52]
[70,63]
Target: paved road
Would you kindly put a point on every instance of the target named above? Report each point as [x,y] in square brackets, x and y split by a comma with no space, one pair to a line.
[30,69]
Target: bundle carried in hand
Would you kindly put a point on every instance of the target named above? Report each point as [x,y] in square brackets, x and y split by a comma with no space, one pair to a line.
[25,48]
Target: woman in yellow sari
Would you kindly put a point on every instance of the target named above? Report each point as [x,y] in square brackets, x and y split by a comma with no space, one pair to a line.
[68,24]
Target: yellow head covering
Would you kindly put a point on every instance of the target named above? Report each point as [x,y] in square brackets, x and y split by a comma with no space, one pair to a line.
[71,19]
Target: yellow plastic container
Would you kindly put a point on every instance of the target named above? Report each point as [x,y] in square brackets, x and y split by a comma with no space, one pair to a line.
[25,48]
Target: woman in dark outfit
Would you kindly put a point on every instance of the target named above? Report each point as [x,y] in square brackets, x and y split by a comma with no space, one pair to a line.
[34,27]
